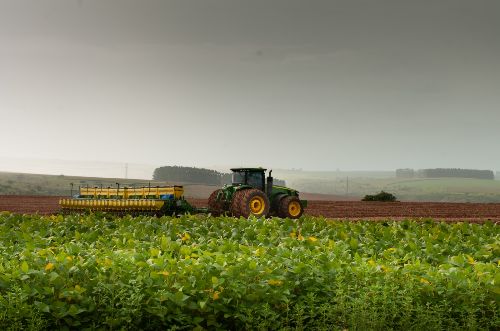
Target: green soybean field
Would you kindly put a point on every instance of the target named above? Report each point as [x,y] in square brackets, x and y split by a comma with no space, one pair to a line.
[196,272]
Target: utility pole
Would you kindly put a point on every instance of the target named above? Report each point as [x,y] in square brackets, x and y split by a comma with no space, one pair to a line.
[126,170]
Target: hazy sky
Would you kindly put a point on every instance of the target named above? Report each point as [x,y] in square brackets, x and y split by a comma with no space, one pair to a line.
[311,84]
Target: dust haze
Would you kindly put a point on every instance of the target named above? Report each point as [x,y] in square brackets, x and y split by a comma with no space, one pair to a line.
[317,85]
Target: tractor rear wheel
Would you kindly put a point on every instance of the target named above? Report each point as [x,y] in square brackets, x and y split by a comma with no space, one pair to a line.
[251,202]
[215,207]
[235,203]
[290,207]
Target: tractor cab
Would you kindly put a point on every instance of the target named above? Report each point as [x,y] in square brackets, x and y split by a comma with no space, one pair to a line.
[254,177]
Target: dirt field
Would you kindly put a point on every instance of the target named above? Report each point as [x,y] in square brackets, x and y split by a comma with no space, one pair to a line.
[401,210]
[331,209]
[29,204]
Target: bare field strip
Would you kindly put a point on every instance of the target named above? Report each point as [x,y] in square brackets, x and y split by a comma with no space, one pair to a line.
[331,209]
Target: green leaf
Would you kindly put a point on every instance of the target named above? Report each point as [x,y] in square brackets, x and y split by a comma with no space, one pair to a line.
[43,307]
[179,298]
[25,267]
[154,252]
[75,310]
[164,243]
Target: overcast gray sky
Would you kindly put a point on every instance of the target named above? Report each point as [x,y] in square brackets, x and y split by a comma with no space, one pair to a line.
[361,85]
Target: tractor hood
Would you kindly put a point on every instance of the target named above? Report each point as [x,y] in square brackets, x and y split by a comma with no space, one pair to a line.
[285,189]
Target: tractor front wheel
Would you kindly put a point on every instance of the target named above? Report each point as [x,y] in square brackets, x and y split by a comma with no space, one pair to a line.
[250,202]
[290,207]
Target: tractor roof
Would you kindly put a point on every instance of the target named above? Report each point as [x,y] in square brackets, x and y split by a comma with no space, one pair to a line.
[248,169]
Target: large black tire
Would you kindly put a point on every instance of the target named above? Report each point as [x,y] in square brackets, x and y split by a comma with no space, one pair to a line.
[252,202]
[235,203]
[215,207]
[290,207]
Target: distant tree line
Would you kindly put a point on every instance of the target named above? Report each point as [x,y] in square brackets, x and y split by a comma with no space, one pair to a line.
[405,173]
[463,173]
[196,176]
[445,172]
[187,175]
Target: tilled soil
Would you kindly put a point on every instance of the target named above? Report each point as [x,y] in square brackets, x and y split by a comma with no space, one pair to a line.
[401,210]
[29,204]
[354,210]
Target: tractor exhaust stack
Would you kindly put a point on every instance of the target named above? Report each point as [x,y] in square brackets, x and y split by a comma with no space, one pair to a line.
[269,186]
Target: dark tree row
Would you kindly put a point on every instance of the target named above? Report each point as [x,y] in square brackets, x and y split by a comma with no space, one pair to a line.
[188,175]
[196,175]
[451,172]
[405,173]
[445,172]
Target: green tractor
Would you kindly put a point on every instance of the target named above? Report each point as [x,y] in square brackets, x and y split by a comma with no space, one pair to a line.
[251,194]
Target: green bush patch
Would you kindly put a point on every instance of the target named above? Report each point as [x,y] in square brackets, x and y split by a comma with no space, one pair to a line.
[382,196]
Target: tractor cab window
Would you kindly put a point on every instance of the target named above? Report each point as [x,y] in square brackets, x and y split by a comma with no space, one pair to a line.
[238,178]
[255,180]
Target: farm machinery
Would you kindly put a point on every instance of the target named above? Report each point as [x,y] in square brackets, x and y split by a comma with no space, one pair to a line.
[146,200]
[250,193]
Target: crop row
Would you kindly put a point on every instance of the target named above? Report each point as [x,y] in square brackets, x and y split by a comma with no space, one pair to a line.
[98,271]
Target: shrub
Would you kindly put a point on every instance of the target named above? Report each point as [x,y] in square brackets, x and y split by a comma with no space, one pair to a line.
[382,196]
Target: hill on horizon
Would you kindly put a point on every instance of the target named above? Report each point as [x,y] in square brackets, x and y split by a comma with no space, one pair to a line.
[313,185]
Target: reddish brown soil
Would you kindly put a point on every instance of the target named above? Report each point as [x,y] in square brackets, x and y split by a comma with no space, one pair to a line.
[354,210]
[326,197]
[402,210]
[29,204]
